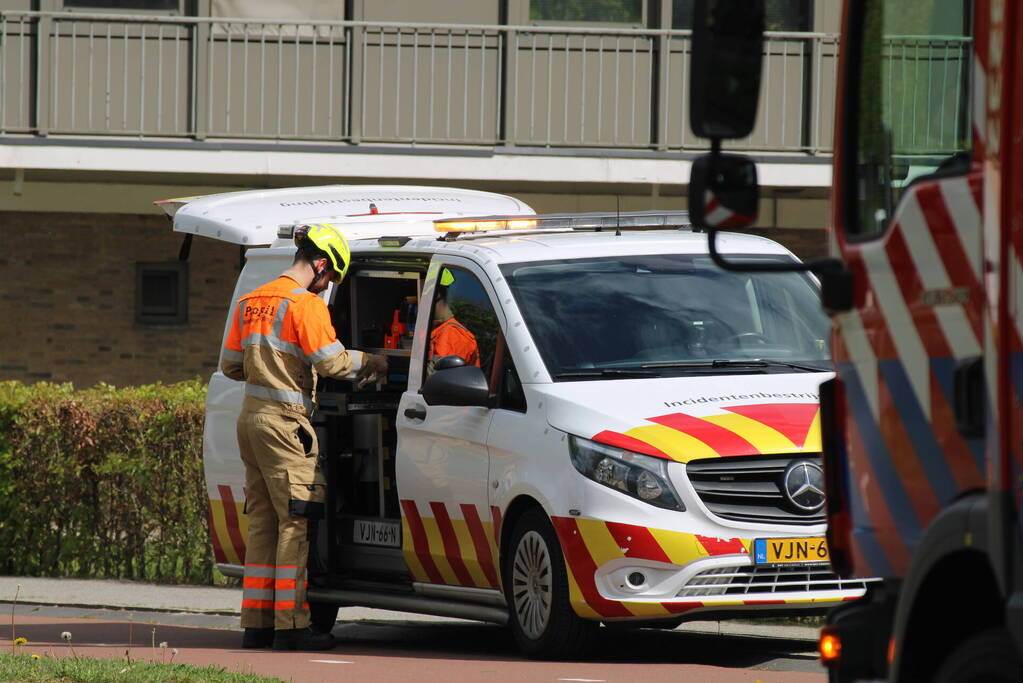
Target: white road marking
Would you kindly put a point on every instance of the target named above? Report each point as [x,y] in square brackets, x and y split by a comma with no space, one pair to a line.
[329,661]
[584,680]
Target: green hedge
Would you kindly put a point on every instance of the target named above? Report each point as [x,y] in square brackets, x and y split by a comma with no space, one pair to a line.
[103,483]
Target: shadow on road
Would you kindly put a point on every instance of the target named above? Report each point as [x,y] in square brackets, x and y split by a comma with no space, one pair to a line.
[489,642]
[431,640]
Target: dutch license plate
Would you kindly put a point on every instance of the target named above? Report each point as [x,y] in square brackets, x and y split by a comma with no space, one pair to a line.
[369,532]
[784,550]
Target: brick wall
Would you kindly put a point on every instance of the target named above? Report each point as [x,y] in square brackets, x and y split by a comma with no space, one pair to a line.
[67,295]
[806,243]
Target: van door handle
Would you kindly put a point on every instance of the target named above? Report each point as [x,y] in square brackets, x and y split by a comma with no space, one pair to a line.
[417,413]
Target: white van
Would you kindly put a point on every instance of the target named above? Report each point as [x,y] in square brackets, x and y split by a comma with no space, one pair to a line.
[639,442]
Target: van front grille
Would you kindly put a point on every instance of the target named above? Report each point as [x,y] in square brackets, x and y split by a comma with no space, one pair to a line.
[768,579]
[751,488]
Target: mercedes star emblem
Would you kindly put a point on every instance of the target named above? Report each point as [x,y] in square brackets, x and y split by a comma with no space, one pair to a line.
[803,486]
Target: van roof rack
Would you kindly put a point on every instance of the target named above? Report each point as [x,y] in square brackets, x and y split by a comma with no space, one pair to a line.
[453,228]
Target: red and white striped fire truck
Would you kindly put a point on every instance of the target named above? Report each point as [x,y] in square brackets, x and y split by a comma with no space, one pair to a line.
[923,423]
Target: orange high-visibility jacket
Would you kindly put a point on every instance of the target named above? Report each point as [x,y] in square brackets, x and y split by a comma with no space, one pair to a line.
[280,337]
[450,338]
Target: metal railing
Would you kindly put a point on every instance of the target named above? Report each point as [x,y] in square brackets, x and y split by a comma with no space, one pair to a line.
[355,82]
[925,81]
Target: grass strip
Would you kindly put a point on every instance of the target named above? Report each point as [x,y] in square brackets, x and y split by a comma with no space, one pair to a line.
[25,668]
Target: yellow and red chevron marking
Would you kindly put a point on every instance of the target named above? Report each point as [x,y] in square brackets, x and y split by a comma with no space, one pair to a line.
[440,547]
[229,527]
[590,543]
[737,430]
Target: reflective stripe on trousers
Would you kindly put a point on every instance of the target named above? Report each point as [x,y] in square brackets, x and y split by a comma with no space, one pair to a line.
[258,587]
[267,587]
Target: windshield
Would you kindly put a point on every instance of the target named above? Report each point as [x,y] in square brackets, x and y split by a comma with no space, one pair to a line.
[667,314]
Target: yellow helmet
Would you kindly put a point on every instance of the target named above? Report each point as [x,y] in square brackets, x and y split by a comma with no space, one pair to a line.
[330,240]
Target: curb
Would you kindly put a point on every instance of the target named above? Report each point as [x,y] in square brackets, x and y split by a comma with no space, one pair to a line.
[121,608]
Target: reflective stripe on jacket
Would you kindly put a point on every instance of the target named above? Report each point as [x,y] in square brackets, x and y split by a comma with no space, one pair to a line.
[280,336]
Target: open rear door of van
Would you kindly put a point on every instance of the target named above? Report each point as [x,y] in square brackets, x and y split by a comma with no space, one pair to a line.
[252,217]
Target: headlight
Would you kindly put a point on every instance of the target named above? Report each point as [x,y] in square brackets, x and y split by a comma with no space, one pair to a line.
[634,474]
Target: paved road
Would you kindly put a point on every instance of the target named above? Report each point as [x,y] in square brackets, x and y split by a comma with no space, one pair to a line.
[377,645]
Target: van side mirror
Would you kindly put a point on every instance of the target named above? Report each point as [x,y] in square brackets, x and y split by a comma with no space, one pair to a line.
[464,385]
[723,191]
[728,51]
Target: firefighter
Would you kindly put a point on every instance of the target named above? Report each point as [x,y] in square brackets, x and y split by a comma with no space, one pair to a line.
[448,336]
[280,339]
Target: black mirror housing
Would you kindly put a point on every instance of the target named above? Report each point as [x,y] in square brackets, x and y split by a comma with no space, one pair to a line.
[723,191]
[448,362]
[728,54]
[464,385]
[837,289]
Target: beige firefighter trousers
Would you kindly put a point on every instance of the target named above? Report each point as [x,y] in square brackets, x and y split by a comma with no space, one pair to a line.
[283,488]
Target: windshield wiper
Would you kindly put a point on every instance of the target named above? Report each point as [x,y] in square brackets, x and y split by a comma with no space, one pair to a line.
[794,366]
[607,372]
[750,363]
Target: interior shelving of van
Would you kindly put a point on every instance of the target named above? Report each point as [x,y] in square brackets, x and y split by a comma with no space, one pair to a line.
[374,310]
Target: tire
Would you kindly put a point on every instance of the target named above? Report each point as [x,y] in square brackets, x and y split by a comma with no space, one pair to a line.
[542,621]
[323,616]
[988,657]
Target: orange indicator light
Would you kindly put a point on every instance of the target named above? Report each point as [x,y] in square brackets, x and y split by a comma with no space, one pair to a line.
[829,645]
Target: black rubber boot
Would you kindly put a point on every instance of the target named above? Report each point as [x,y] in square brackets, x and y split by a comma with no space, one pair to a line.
[302,639]
[258,638]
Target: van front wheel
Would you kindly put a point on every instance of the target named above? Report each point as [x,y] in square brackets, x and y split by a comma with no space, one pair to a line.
[536,587]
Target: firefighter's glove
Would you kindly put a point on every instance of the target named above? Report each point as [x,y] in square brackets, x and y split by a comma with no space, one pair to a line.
[374,366]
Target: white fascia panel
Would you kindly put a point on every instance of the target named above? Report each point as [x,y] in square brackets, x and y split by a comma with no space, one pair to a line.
[422,166]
